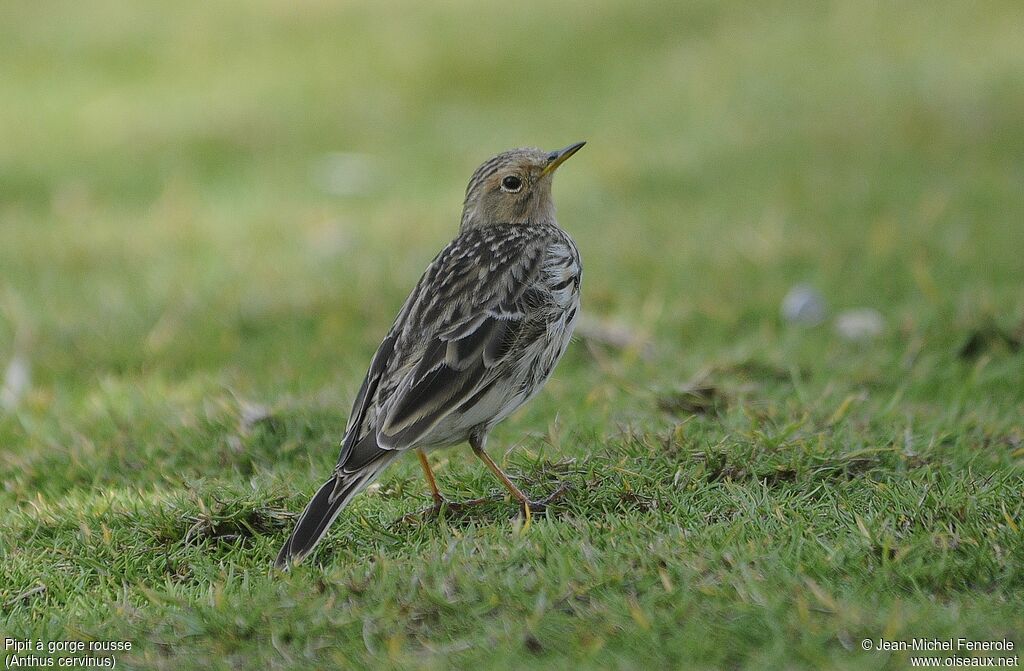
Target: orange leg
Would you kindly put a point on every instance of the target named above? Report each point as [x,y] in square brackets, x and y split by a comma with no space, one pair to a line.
[434,491]
[505,480]
[477,443]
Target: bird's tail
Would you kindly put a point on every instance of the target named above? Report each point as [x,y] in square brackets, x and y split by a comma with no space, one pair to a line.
[321,512]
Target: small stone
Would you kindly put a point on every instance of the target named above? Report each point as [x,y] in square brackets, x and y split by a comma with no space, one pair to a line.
[860,324]
[804,305]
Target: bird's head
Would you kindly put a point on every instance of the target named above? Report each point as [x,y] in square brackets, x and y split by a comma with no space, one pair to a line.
[514,187]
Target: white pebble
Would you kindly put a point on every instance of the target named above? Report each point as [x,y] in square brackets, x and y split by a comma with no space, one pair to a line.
[860,324]
[804,305]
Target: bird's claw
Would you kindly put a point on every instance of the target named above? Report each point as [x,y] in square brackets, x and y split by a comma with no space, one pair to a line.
[541,505]
[440,507]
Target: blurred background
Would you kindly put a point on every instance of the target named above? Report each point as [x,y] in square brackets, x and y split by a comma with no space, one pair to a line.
[198,195]
[792,418]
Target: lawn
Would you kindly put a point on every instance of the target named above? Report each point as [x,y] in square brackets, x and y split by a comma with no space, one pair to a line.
[211,212]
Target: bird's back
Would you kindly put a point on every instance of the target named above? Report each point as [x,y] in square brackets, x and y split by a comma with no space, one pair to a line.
[477,338]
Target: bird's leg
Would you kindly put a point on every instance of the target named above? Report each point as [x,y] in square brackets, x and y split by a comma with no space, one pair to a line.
[476,441]
[440,502]
[439,499]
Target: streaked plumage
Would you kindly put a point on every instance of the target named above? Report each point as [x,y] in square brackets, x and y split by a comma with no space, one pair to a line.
[478,336]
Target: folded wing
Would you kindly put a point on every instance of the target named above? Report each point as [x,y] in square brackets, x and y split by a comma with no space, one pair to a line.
[454,337]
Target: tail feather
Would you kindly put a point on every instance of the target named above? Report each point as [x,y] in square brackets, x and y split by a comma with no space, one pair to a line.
[321,512]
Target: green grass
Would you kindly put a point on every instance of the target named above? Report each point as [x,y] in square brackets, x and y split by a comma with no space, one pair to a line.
[198,311]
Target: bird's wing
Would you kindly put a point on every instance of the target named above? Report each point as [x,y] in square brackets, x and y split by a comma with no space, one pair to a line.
[455,331]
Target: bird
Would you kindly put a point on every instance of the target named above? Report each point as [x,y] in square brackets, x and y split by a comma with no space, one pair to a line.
[478,337]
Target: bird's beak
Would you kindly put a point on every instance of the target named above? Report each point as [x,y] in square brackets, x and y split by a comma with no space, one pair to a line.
[557,158]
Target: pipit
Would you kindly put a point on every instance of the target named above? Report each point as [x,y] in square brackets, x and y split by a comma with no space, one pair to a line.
[477,338]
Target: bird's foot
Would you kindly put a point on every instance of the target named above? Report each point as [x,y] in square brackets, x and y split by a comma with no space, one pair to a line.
[442,506]
[541,505]
[531,507]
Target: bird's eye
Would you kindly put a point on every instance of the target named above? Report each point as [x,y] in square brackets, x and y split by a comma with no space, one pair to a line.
[511,183]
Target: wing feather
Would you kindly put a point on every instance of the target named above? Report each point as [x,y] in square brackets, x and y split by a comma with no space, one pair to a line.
[448,379]
[465,351]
